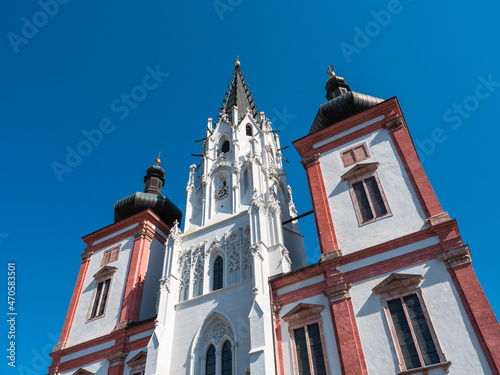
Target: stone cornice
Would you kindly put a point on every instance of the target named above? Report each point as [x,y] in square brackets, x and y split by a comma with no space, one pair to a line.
[310,160]
[144,232]
[117,359]
[394,124]
[337,292]
[456,257]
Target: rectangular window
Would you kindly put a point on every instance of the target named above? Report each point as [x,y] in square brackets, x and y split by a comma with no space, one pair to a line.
[355,155]
[412,332]
[110,255]
[309,350]
[100,299]
[369,200]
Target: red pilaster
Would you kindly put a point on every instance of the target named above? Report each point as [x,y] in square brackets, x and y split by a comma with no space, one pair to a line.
[117,363]
[476,304]
[134,286]
[404,145]
[352,359]
[322,214]
[70,316]
[277,334]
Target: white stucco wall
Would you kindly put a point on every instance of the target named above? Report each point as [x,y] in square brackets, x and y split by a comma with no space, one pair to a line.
[152,280]
[81,330]
[407,215]
[233,302]
[449,319]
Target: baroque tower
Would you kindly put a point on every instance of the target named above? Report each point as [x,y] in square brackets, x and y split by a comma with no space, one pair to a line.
[214,312]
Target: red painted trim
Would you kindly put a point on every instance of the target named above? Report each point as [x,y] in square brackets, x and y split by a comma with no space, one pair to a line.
[120,337]
[116,370]
[147,215]
[333,276]
[351,357]
[389,109]
[480,313]
[425,193]
[75,298]
[102,354]
[280,368]
[447,231]
[322,214]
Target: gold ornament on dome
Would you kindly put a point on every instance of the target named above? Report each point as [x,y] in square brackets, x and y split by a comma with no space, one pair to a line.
[158,161]
[330,71]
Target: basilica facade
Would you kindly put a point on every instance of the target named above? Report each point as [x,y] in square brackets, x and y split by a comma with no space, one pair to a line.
[394,291]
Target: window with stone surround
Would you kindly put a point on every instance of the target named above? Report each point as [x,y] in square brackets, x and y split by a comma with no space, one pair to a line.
[110,255]
[415,341]
[102,289]
[307,339]
[137,364]
[355,155]
[367,194]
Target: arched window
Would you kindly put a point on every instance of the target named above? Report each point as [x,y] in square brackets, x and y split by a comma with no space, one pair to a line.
[225,147]
[210,364]
[218,273]
[249,130]
[227,359]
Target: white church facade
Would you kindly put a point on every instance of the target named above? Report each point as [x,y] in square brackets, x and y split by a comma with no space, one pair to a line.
[394,291]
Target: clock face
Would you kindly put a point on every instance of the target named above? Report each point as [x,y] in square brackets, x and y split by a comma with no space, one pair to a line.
[221,193]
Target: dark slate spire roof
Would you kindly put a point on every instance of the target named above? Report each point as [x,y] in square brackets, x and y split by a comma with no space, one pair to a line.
[150,198]
[342,103]
[238,95]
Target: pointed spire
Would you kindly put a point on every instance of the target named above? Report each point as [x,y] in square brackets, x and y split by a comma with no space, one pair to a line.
[238,95]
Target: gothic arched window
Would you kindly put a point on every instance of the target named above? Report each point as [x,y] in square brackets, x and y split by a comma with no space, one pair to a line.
[227,359]
[218,273]
[225,147]
[249,130]
[210,363]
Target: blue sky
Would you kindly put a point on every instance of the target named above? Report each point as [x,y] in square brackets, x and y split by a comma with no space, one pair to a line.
[64,73]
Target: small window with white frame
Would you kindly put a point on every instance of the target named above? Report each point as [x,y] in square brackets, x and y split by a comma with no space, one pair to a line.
[305,325]
[367,194]
[100,297]
[413,335]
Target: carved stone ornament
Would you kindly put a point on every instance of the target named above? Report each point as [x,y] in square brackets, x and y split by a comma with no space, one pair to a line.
[146,233]
[256,251]
[117,359]
[456,257]
[393,124]
[311,160]
[257,203]
[337,292]
[218,332]
[165,284]
[285,256]
[86,256]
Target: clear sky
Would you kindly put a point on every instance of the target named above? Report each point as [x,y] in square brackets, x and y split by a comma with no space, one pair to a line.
[66,66]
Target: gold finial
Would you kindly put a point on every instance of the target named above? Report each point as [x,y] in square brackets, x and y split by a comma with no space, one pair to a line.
[237,63]
[330,71]
[158,161]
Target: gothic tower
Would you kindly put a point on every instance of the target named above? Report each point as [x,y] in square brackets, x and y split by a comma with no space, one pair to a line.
[214,313]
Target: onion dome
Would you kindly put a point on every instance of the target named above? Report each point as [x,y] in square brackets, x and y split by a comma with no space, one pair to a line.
[342,103]
[151,198]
